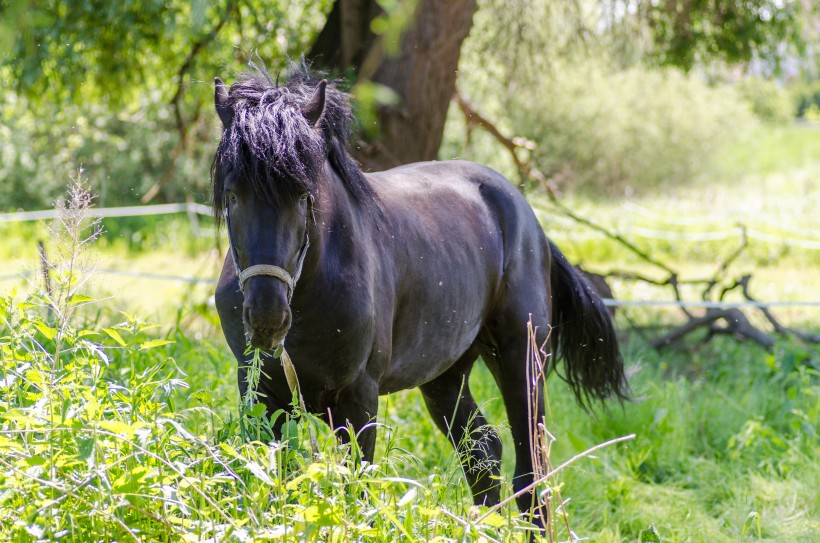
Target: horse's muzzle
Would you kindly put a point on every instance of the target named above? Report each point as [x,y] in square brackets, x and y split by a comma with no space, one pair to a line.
[266,329]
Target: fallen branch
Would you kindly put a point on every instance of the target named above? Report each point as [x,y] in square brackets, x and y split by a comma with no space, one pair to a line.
[779,328]
[736,324]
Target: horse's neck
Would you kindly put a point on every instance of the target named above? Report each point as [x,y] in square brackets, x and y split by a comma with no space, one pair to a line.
[341,223]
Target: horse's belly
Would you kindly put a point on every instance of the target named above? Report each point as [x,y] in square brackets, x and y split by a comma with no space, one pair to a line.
[428,341]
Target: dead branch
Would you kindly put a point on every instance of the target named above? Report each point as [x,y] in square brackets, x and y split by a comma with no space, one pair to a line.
[779,328]
[736,324]
[526,170]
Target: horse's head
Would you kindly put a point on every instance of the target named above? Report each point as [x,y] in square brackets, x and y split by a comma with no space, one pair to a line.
[264,176]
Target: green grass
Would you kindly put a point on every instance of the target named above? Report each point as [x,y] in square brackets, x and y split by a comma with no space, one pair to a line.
[772,150]
[722,433]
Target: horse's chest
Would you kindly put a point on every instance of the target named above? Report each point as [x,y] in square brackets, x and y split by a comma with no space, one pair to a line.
[331,352]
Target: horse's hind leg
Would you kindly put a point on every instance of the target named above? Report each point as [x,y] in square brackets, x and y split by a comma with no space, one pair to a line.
[456,414]
[504,349]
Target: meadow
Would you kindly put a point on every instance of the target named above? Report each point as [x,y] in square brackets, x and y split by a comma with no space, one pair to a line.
[120,419]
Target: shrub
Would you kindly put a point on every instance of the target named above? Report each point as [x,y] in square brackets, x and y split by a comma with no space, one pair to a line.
[769,101]
[600,129]
[123,152]
[806,98]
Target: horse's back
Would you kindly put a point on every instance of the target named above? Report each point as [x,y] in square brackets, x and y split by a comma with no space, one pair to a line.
[457,193]
[460,176]
[455,183]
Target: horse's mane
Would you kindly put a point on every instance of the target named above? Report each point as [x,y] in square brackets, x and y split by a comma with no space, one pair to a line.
[272,147]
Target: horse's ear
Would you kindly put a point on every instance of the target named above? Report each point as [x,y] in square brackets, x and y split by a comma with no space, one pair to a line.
[222,102]
[314,108]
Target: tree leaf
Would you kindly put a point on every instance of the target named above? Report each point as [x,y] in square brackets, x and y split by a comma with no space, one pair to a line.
[115,336]
[154,343]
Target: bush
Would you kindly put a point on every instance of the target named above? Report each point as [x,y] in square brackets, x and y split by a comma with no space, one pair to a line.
[599,129]
[122,152]
[806,98]
[769,101]
[600,120]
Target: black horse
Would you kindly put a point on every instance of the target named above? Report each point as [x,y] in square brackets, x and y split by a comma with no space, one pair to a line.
[386,281]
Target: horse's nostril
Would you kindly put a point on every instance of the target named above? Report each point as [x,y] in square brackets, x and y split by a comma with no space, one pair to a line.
[271,320]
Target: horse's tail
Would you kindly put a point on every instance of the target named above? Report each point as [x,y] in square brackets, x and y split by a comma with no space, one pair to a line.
[583,335]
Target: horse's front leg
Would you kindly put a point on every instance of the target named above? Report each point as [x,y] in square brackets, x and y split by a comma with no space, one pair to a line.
[354,411]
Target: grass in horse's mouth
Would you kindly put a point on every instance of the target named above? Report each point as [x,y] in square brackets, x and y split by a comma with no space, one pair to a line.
[263,337]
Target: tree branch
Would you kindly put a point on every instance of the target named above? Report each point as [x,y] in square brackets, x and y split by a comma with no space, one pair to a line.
[779,328]
[736,324]
[182,126]
[525,168]
[189,61]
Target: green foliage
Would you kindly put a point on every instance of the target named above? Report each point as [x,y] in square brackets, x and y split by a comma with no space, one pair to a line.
[95,447]
[769,101]
[69,97]
[74,51]
[684,472]
[685,33]
[615,131]
[650,535]
[599,113]
[806,96]
[123,153]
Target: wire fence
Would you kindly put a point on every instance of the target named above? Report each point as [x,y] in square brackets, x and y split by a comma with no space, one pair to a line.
[193,209]
[721,234]
[751,232]
[106,212]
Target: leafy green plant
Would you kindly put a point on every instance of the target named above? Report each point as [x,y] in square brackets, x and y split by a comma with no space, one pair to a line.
[649,535]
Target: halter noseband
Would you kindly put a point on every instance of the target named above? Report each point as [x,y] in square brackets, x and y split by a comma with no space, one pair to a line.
[270,269]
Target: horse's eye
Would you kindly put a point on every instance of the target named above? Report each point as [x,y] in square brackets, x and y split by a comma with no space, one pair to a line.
[230,197]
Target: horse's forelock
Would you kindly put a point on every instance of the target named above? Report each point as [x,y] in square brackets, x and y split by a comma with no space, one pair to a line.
[272,146]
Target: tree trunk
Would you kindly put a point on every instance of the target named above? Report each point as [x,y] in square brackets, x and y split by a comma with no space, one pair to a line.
[423,74]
